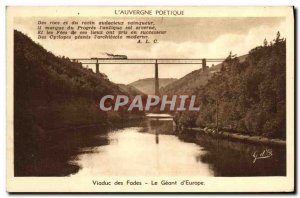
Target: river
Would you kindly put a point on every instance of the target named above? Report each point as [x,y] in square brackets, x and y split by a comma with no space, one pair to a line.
[152,148]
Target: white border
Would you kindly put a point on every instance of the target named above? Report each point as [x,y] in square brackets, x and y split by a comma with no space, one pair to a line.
[3,3]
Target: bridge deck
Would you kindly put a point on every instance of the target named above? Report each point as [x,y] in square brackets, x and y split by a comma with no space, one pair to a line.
[151,61]
[144,61]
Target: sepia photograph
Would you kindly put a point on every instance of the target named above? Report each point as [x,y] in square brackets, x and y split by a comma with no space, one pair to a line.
[150,99]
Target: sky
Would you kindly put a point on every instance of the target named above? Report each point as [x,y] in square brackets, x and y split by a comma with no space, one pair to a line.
[185,38]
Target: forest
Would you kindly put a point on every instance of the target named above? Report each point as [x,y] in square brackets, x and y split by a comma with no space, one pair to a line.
[246,97]
[53,93]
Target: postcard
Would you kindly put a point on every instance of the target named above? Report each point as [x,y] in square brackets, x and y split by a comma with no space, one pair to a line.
[150,99]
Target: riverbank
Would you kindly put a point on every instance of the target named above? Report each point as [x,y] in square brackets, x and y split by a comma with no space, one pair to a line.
[239,137]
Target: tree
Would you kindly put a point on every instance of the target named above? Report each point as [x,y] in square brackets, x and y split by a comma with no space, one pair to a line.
[229,56]
[277,37]
[265,43]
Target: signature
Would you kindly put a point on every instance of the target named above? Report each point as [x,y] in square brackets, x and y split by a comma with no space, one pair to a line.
[267,153]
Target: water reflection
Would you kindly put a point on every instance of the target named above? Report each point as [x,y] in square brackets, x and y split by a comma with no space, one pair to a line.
[230,158]
[134,153]
[152,148]
[156,138]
